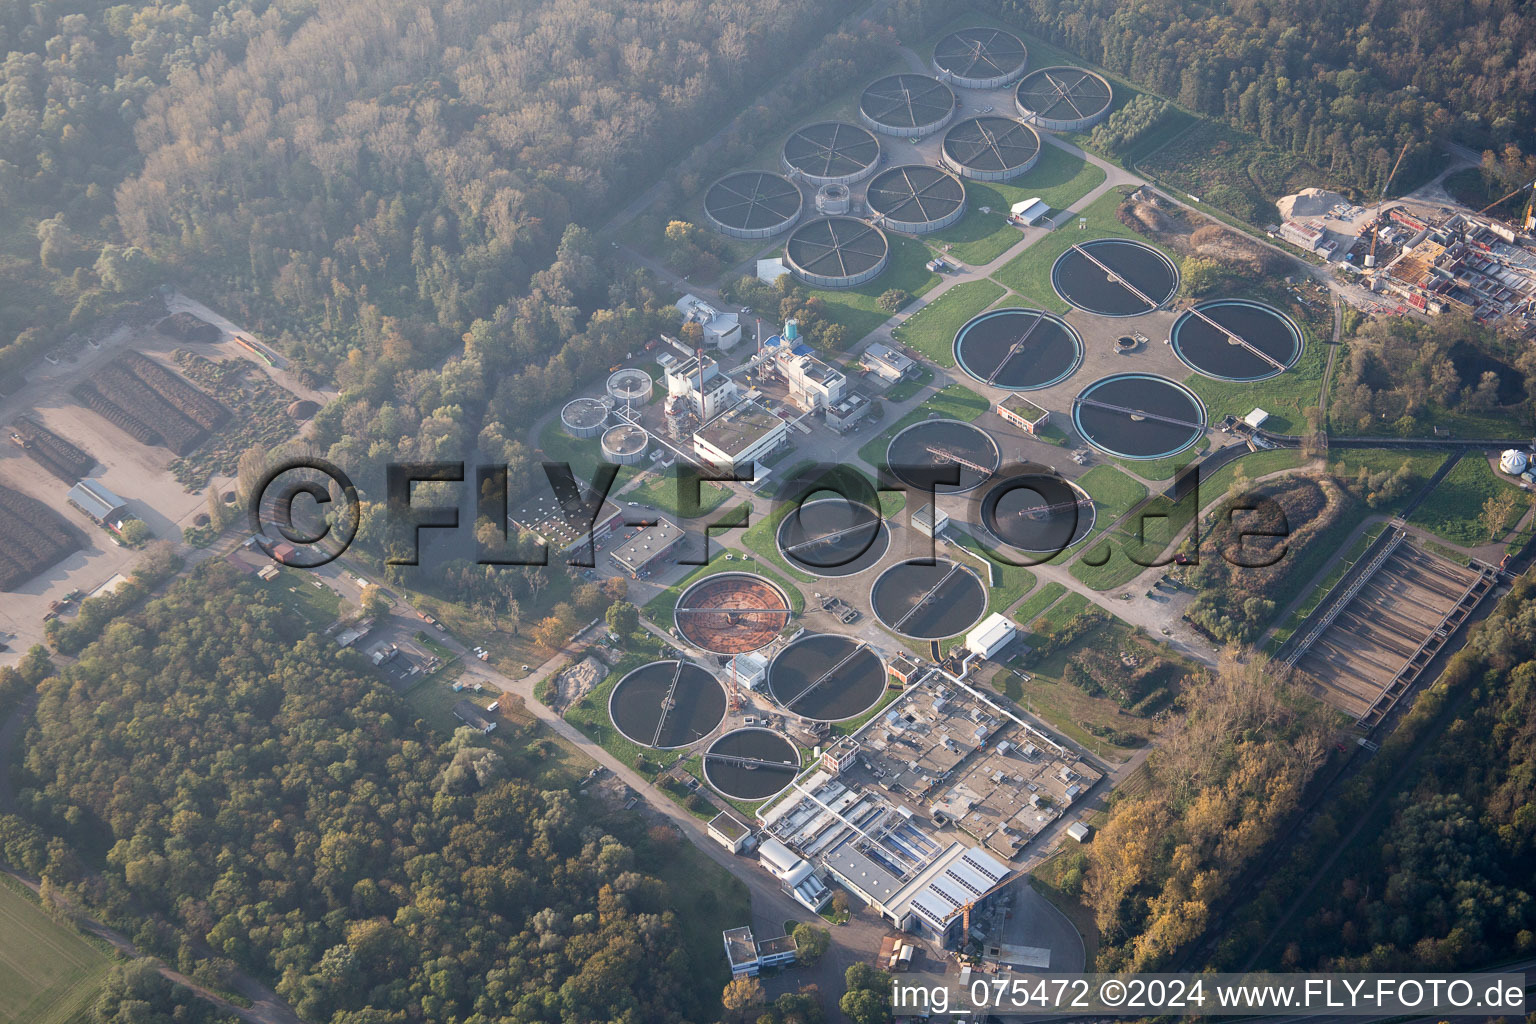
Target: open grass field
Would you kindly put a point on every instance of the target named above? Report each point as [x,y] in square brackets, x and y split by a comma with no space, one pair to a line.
[1231,170]
[1037,603]
[1107,563]
[1286,397]
[660,491]
[1453,510]
[856,309]
[1163,469]
[1059,179]
[931,330]
[1253,466]
[1029,273]
[1008,584]
[49,974]
[1112,491]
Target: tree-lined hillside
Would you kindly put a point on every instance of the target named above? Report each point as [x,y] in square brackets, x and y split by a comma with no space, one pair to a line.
[218,777]
[1343,85]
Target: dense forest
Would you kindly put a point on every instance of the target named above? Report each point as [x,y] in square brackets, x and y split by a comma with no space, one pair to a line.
[1403,373]
[1217,792]
[1430,871]
[232,790]
[1343,85]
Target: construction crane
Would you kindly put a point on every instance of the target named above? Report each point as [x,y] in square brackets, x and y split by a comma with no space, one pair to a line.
[1370,257]
[1520,188]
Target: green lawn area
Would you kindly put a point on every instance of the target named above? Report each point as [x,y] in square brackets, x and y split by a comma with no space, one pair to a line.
[660,490]
[1059,179]
[952,401]
[1008,584]
[308,595]
[1453,509]
[1060,613]
[1160,520]
[855,308]
[49,974]
[1253,465]
[1038,602]
[931,330]
[1163,469]
[1112,492]
[584,456]
[911,386]
[1029,273]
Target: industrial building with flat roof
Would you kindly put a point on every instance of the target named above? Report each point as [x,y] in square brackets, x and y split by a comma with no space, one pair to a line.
[747,956]
[886,363]
[564,526]
[639,553]
[1023,413]
[735,440]
[729,831]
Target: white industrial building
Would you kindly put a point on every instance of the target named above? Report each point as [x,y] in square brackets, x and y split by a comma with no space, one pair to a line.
[928,521]
[735,440]
[886,363]
[935,901]
[796,875]
[1030,211]
[995,632]
[747,956]
[721,330]
[699,382]
[1514,462]
[729,831]
[812,383]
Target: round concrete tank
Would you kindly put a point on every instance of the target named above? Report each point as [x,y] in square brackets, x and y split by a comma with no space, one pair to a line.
[625,444]
[584,417]
[630,385]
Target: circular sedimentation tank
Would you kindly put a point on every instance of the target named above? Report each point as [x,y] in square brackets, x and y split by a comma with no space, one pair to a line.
[833,537]
[631,385]
[584,417]
[928,600]
[1018,349]
[753,204]
[1236,340]
[1037,512]
[915,198]
[625,444]
[1139,416]
[836,252]
[751,764]
[826,677]
[731,613]
[830,153]
[940,450]
[1114,277]
[1063,99]
[980,58]
[991,148]
[910,106]
[667,704]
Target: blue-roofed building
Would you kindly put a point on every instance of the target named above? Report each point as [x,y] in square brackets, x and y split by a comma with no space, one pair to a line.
[104,507]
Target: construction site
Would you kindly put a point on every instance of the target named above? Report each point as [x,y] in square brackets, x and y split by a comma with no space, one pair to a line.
[1376,631]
